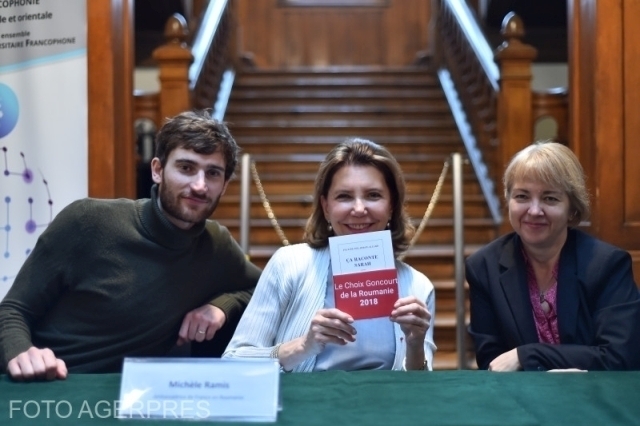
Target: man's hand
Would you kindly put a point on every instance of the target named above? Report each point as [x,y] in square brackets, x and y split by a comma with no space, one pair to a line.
[201,324]
[36,363]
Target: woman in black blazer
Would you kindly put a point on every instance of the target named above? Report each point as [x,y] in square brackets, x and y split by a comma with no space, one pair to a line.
[548,296]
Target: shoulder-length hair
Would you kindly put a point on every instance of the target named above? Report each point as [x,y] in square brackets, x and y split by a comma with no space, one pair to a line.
[360,152]
[555,165]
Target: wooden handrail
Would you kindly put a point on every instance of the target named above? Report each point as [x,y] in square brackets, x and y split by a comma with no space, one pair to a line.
[493,104]
[212,54]
[471,84]
[478,42]
[190,76]
[203,39]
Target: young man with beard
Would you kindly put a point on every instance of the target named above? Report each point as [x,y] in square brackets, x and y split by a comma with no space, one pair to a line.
[115,278]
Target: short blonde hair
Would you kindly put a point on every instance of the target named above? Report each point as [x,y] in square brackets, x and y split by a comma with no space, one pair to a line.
[555,165]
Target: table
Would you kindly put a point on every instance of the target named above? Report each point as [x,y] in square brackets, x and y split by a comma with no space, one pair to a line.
[369,398]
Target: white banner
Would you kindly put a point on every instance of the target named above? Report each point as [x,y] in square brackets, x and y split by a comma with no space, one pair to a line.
[43,121]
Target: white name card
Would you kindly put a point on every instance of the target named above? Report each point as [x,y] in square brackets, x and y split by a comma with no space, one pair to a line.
[199,389]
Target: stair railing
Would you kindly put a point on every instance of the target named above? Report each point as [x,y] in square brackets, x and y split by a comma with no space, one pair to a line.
[249,172]
[191,76]
[494,105]
[245,203]
[458,247]
[470,79]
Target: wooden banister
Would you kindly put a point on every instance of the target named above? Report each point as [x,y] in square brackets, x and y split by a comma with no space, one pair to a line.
[212,53]
[190,76]
[493,104]
[471,84]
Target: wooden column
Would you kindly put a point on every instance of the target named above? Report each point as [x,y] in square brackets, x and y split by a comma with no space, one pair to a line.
[515,121]
[110,94]
[174,58]
[605,114]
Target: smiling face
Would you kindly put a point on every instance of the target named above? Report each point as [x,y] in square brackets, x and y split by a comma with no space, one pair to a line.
[539,213]
[190,185]
[358,201]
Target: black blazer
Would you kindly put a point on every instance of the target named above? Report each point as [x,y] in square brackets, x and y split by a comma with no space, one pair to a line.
[598,306]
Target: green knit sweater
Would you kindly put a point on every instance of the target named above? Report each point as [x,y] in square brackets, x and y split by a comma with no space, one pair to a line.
[114,278]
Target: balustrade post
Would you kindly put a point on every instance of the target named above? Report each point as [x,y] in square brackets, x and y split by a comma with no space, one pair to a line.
[174,58]
[515,122]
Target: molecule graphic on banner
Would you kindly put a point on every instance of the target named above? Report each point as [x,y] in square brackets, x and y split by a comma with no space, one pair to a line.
[21,193]
[26,178]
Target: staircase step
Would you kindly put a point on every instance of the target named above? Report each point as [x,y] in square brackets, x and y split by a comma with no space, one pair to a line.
[343,79]
[259,253]
[434,260]
[437,230]
[373,132]
[287,206]
[301,110]
[445,331]
[426,123]
[332,94]
[302,183]
[307,199]
[301,163]
[446,294]
[313,144]
[329,70]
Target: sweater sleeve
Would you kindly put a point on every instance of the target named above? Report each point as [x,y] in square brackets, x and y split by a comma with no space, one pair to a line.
[429,345]
[238,277]
[40,282]
[256,332]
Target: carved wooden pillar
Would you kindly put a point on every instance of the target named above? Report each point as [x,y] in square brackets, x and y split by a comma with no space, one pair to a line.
[174,58]
[515,122]
[605,115]
[110,91]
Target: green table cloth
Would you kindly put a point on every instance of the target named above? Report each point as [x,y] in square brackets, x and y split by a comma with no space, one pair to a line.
[367,398]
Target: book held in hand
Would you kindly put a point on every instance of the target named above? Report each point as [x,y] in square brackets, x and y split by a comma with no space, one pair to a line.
[365,279]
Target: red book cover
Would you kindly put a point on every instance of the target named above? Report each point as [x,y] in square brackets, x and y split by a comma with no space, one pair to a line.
[364,295]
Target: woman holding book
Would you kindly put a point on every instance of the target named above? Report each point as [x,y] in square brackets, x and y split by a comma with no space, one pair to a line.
[292,316]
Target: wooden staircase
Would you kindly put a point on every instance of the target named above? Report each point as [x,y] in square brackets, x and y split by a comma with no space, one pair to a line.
[289,120]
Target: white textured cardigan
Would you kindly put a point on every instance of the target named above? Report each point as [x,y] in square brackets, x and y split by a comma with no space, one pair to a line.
[292,288]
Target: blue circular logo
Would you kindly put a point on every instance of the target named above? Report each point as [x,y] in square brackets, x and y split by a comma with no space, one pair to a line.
[8,110]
